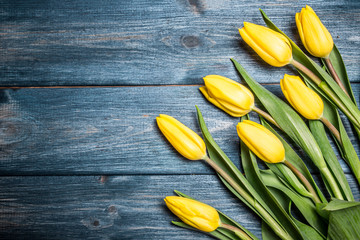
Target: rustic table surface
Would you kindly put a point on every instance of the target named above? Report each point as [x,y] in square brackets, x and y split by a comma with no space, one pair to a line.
[81,84]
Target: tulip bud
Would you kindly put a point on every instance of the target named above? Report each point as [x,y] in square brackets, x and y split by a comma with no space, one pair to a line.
[261,141]
[228,95]
[272,47]
[194,213]
[315,37]
[307,102]
[183,139]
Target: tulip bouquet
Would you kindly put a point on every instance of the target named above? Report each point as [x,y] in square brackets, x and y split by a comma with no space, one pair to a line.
[285,185]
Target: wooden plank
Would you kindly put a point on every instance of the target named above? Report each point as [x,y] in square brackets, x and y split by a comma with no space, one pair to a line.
[107,130]
[113,207]
[150,42]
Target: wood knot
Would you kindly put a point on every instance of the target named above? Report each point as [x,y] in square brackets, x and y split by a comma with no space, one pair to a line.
[13,130]
[112,209]
[197,6]
[96,223]
[190,41]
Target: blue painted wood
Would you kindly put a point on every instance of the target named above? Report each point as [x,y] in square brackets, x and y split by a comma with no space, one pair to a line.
[107,130]
[55,135]
[150,42]
[109,207]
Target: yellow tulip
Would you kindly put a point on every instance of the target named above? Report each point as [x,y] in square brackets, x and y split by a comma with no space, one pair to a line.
[272,47]
[194,213]
[228,95]
[261,141]
[183,139]
[315,37]
[307,102]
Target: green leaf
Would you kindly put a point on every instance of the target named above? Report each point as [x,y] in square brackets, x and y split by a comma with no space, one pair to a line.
[350,155]
[337,204]
[340,69]
[339,66]
[305,205]
[317,128]
[292,157]
[217,234]
[344,220]
[267,233]
[308,231]
[252,173]
[347,150]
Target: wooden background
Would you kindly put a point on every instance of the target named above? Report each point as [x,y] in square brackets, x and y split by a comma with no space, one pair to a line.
[81,84]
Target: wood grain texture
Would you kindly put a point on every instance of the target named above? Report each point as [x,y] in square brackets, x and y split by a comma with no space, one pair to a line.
[151,42]
[107,130]
[90,163]
[112,207]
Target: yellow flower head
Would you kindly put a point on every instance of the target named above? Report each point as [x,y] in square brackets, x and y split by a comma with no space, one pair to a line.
[261,141]
[271,46]
[228,95]
[183,139]
[194,213]
[307,102]
[315,37]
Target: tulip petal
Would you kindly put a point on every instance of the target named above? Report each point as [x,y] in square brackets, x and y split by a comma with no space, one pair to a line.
[271,46]
[183,139]
[194,213]
[261,141]
[228,95]
[315,37]
[307,102]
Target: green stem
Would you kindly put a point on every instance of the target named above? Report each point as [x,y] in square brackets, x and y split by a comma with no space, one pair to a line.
[332,128]
[334,74]
[332,183]
[325,87]
[307,71]
[327,90]
[266,116]
[240,233]
[303,179]
[251,200]
[353,163]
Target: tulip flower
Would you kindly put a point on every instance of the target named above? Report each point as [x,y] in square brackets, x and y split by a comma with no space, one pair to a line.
[271,46]
[266,146]
[315,37]
[306,101]
[231,96]
[228,95]
[196,214]
[261,141]
[200,215]
[183,139]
